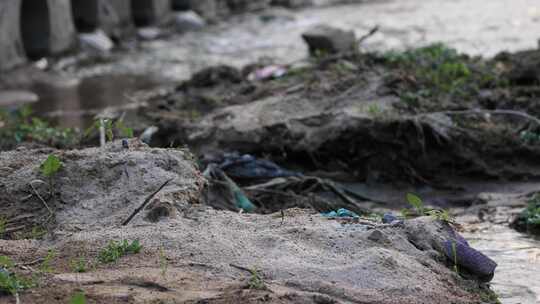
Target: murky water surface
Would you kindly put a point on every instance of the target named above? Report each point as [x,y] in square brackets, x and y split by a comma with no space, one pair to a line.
[517,278]
[76,104]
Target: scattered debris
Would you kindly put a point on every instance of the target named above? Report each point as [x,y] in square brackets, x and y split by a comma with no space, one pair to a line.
[342,212]
[247,167]
[267,72]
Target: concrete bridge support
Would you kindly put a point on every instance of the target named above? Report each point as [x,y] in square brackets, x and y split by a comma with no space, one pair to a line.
[39,28]
[151,12]
[11,48]
[113,17]
[46,27]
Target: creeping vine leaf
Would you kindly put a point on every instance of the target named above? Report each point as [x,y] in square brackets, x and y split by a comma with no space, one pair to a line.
[51,166]
[416,202]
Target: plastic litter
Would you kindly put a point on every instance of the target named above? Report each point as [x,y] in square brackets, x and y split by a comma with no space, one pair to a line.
[459,251]
[342,212]
[230,194]
[267,72]
[389,218]
[249,167]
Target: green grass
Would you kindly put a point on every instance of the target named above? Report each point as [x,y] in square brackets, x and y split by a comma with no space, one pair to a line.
[255,281]
[10,283]
[529,219]
[163,263]
[111,128]
[3,225]
[79,265]
[115,250]
[78,298]
[22,126]
[50,166]
[436,71]
[45,266]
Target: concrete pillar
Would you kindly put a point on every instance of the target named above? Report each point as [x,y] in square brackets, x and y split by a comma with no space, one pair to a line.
[113,17]
[46,27]
[151,12]
[11,49]
[181,5]
[62,29]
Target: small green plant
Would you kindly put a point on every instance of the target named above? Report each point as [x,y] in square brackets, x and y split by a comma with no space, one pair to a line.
[374,110]
[9,282]
[111,127]
[429,73]
[163,263]
[255,281]
[6,262]
[529,219]
[3,226]
[454,254]
[49,168]
[420,210]
[45,266]
[441,215]
[116,250]
[529,137]
[19,126]
[78,298]
[38,232]
[489,296]
[78,265]
[416,202]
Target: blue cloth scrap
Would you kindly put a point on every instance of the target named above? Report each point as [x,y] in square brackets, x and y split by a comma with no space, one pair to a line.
[249,167]
[342,212]
[389,218]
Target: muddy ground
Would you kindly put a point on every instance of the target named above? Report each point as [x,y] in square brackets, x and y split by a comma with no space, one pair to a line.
[193,253]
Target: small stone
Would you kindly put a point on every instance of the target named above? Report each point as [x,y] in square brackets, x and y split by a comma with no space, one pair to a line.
[96,41]
[188,21]
[377,236]
[148,33]
[329,40]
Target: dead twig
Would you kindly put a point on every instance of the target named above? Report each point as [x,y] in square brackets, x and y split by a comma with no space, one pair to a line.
[146,201]
[34,262]
[240,267]
[371,32]
[490,112]
[51,213]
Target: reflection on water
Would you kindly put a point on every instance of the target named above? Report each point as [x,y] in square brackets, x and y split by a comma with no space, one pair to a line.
[517,278]
[76,105]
